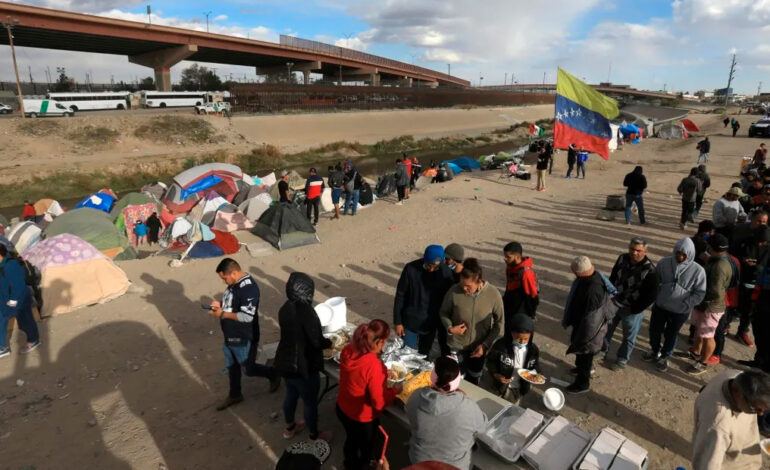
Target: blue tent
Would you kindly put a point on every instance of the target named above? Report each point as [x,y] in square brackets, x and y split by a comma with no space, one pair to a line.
[205,250]
[630,129]
[98,201]
[463,164]
[455,169]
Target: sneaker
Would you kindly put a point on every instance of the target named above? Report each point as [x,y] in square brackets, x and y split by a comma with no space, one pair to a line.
[650,357]
[713,360]
[576,389]
[5,352]
[324,436]
[275,384]
[745,339]
[228,402]
[662,365]
[30,347]
[697,368]
[691,355]
[399,203]
[617,366]
[297,428]
[574,370]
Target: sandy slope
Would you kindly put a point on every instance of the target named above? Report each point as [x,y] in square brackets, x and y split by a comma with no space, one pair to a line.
[131,384]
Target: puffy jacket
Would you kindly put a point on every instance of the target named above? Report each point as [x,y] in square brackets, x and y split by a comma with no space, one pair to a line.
[726,213]
[719,273]
[13,286]
[482,313]
[362,392]
[300,349]
[419,295]
[588,309]
[682,285]
[314,186]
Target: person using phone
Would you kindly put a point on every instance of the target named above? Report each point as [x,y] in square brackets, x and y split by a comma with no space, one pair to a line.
[237,315]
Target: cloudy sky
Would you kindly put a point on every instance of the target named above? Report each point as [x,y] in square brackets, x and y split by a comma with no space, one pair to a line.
[682,45]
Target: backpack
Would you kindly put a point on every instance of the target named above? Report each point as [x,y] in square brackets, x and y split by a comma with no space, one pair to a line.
[350,186]
[336,179]
[735,280]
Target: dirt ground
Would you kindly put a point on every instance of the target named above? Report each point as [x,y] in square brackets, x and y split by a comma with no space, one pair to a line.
[133,383]
[48,150]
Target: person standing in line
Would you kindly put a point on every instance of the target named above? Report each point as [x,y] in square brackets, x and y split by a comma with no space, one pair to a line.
[299,357]
[515,351]
[314,187]
[542,167]
[705,181]
[571,160]
[688,188]
[635,278]
[728,211]
[635,183]
[752,255]
[454,254]
[408,164]
[28,213]
[760,317]
[582,158]
[522,293]
[15,302]
[402,181]
[700,241]
[682,287]
[760,155]
[732,302]
[237,314]
[419,293]
[704,147]
[352,185]
[725,433]
[336,180]
[284,193]
[707,315]
[363,393]
[735,125]
[549,152]
[587,311]
[472,313]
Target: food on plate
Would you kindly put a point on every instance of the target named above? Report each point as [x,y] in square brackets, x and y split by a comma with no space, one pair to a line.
[532,376]
[339,340]
[397,372]
[418,381]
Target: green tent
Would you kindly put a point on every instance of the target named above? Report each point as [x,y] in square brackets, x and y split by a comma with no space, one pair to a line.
[133,199]
[95,227]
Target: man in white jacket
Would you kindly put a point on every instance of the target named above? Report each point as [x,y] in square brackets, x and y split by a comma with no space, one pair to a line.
[728,211]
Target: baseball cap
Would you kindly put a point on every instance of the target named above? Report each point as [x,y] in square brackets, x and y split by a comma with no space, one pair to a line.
[719,242]
[434,254]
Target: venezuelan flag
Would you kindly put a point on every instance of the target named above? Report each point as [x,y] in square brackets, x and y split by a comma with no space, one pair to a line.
[582,116]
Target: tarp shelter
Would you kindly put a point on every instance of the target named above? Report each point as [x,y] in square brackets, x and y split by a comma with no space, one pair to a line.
[226,241]
[629,129]
[690,126]
[211,204]
[326,200]
[464,164]
[135,199]
[365,195]
[231,222]
[268,180]
[445,173]
[248,193]
[99,201]
[386,185]
[74,274]
[131,215]
[672,131]
[296,182]
[254,208]
[49,207]
[24,235]
[96,228]
[190,185]
[284,226]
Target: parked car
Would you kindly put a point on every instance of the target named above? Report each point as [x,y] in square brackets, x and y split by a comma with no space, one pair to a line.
[760,128]
[35,108]
[5,109]
[213,108]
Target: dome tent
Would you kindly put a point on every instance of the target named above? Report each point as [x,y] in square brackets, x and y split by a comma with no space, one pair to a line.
[284,226]
[96,228]
[191,185]
[134,199]
[24,235]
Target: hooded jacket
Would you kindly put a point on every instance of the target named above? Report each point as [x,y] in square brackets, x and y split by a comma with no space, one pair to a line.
[635,182]
[300,349]
[521,289]
[726,213]
[444,427]
[419,295]
[682,285]
[402,175]
[13,286]
[481,312]
[588,309]
[689,188]
[500,360]
[719,273]
[362,392]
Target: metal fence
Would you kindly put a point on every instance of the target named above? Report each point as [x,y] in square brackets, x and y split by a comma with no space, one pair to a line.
[268,98]
[345,53]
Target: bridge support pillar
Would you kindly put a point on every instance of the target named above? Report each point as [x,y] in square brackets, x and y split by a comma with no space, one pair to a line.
[162,60]
[374,80]
[306,77]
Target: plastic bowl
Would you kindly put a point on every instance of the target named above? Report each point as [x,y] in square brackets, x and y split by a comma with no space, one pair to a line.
[553,399]
[764,444]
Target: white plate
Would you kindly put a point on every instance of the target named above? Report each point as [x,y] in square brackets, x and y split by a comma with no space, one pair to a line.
[553,399]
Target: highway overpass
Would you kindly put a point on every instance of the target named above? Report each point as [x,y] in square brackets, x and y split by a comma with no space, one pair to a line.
[161,47]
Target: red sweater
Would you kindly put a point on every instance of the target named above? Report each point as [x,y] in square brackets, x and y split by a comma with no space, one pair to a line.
[29,211]
[362,391]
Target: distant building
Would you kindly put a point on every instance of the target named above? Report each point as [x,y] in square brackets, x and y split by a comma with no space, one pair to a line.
[704,94]
[723,91]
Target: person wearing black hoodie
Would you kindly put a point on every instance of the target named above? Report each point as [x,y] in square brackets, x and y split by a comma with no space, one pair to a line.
[514,351]
[635,183]
[571,160]
[299,357]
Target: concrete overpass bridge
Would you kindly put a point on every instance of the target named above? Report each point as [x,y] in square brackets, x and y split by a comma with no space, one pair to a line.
[161,47]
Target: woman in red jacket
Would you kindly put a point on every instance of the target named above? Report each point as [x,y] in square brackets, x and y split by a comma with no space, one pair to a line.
[362,392]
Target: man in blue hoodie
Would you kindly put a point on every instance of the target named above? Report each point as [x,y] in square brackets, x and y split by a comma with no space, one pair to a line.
[682,287]
[15,302]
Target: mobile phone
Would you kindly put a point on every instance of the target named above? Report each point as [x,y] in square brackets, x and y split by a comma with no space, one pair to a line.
[206,307]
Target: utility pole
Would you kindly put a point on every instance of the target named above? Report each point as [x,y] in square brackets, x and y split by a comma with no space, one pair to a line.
[730,80]
[48,74]
[149,14]
[31,80]
[505,80]
[759,89]
[207,20]
[8,25]
[449,69]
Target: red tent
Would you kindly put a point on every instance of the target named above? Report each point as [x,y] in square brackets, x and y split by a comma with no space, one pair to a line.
[690,126]
[226,241]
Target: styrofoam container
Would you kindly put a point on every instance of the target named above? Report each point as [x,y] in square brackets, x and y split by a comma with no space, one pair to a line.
[325,314]
[557,446]
[339,313]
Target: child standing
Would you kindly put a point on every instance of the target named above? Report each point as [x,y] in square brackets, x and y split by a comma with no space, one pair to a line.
[140,233]
[508,355]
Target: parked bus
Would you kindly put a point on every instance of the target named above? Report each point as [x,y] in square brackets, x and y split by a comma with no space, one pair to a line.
[92,101]
[171,99]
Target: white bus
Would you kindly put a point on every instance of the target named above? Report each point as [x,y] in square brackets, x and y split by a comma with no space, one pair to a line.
[92,101]
[170,99]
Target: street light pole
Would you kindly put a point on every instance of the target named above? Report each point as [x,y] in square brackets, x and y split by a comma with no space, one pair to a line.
[9,26]
[207,20]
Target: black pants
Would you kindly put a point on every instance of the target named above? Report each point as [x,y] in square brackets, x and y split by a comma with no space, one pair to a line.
[550,165]
[584,364]
[719,335]
[698,203]
[571,166]
[359,441]
[472,367]
[744,309]
[761,325]
[688,208]
[401,190]
[251,368]
[665,325]
[425,340]
[313,205]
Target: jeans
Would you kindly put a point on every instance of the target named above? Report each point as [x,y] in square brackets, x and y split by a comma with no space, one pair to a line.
[423,342]
[581,166]
[358,449]
[472,367]
[630,200]
[26,322]
[630,325]
[719,335]
[571,166]
[667,325]
[250,367]
[307,390]
[584,363]
[704,156]
[688,208]
[354,197]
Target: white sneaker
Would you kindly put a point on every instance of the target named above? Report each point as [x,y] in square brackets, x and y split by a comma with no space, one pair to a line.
[399,203]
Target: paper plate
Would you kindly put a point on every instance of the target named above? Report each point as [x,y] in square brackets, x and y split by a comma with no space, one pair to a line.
[553,399]
[765,445]
[324,313]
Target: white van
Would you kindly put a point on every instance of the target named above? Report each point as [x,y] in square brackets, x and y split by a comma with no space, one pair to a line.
[35,108]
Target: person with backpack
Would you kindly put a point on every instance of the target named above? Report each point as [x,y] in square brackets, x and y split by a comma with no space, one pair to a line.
[402,181]
[15,302]
[352,185]
[522,293]
[336,181]
[704,147]
[735,125]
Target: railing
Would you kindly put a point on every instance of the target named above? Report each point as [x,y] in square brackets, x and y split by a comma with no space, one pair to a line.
[345,53]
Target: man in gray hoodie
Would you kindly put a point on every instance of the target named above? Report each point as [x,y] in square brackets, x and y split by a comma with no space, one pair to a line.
[682,287]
